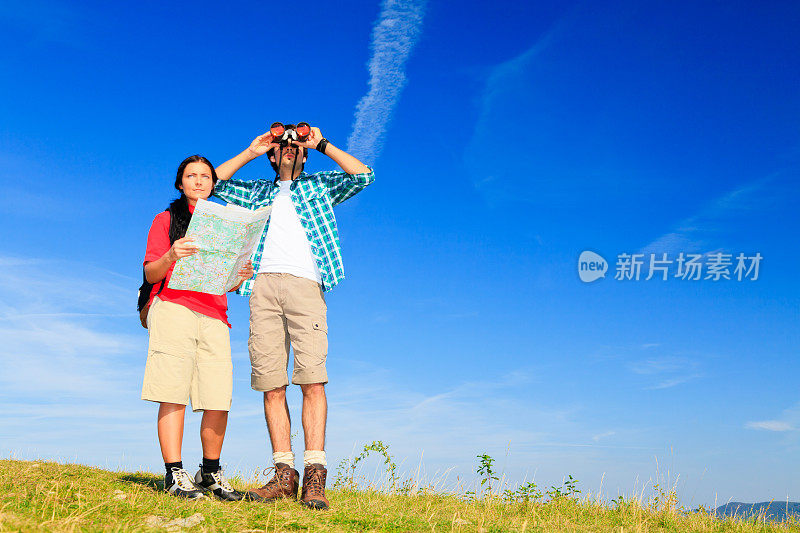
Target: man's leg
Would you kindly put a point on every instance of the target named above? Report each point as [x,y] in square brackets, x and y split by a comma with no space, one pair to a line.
[306,320]
[285,482]
[269,356]
[315,415]
[276,411]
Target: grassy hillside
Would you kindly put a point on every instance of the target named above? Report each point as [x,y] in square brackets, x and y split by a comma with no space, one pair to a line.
[49,496]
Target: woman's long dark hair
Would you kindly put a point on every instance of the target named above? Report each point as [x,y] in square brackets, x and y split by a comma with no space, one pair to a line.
[179,208]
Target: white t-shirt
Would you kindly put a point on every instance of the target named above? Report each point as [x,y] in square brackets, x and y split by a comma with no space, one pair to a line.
[286,248]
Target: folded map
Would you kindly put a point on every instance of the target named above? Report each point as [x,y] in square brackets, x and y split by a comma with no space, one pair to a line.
[226,237]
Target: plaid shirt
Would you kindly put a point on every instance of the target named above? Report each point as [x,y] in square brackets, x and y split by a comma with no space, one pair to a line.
[313,196]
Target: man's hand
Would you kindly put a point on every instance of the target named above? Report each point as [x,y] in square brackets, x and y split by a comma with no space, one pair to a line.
[182,248]
[245,273]
[313,140]
[261,144]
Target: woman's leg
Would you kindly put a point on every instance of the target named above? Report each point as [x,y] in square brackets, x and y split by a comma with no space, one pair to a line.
[212,432]
[170,430]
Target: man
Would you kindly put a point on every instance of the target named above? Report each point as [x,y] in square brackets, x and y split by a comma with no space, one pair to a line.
[296,260]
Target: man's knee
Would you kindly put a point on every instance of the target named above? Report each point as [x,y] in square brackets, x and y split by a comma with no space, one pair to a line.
[275,395]
[313,389]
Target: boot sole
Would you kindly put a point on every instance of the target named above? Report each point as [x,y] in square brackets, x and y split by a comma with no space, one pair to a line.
[316,505]
[253,497]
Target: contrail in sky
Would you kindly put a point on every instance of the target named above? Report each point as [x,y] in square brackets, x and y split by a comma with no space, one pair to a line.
[393,37]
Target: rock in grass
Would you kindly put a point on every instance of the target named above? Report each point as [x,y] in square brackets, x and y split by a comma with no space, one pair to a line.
[119,495]
[191,521]
[173,525]
[153,520]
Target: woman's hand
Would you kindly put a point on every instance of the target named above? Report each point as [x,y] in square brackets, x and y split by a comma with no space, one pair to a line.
[261,144]
[182,248]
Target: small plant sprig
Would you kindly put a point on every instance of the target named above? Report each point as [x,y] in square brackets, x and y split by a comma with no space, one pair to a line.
[346,471]
[568,490]
[529,492]
[663,500]
[486,472]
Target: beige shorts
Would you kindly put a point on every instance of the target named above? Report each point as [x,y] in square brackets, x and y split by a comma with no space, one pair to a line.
[287,310]
[189,357]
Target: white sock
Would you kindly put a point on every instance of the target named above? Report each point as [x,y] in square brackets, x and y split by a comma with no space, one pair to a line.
[283,457]
[314,457]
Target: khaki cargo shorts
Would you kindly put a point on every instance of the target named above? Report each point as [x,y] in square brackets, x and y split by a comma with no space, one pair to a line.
[287,310]
[189,357]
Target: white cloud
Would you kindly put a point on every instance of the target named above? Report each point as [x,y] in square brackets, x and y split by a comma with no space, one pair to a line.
[789,420]
[672,382]
[502,79]
[671,370]
[700,231]
[61,337]
[393,38]
[770,425]
[662,364]
[603,435]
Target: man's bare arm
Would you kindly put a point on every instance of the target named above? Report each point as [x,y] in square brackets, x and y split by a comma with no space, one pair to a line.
[349,164]
[258,147]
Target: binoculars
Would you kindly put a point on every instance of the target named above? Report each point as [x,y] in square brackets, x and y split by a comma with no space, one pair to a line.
[284,134]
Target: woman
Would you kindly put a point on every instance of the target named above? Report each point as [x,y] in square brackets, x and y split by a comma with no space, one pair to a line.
[189,354]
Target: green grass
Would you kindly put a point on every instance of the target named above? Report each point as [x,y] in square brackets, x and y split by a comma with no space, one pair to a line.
[56,497]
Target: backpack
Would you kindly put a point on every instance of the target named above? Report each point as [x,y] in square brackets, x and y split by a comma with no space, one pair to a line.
[143,303]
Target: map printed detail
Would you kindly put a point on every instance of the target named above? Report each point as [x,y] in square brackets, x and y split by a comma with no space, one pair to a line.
[226,236]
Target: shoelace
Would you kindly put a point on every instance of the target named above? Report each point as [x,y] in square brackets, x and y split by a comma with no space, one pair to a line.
[275,479]
[182,479]
[221,481]
[316,486]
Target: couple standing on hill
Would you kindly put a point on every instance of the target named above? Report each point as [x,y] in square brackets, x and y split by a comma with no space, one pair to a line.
[296,260]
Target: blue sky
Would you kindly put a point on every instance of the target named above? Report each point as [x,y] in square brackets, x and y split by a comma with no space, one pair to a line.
[506,140]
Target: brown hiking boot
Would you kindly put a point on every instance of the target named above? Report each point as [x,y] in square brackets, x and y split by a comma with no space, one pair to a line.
[282,485]
[313,495]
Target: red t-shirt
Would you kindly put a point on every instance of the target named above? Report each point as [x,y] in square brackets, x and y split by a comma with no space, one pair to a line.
[215,306]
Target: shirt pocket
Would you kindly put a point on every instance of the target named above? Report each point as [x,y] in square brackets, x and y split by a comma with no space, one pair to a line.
[314,194]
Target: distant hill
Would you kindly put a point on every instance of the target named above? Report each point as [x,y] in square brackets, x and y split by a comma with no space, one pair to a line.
[772,511]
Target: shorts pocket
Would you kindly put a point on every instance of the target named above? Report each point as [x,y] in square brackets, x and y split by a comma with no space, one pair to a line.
[319,332]
[167,377]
